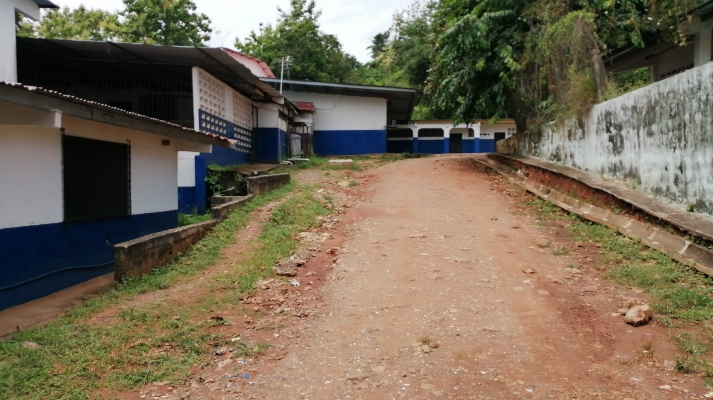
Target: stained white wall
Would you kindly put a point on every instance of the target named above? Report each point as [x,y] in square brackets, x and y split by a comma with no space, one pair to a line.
[344,113]
[154,167]
[8,52]
[658,138]
[30,176]
[187,168]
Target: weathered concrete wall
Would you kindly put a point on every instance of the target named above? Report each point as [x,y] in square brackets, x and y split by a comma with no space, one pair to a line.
[265,183]
[658,139]
[221,211]
[140,256]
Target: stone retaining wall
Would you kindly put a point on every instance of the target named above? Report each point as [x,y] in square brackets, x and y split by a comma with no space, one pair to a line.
[265,183]
[140,256]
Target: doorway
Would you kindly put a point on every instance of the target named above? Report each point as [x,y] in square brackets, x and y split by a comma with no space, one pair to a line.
[456,143]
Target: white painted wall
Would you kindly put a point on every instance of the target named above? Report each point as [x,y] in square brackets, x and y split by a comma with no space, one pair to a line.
[344,113]
[187,168]
[8,52]
[154,167]
[30,176]
[268,116]
[447,127]
[658,138]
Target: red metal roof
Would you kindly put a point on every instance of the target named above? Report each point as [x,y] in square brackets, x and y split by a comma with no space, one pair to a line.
[258,67]
[305,105]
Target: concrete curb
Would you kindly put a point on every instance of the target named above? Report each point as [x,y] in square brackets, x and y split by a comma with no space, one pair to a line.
[676,247]
[661,209]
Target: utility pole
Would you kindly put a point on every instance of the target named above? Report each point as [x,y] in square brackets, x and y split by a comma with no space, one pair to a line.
[284,61]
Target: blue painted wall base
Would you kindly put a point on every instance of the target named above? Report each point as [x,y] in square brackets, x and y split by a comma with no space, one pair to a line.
[271,145]
[342,143]
[487,145]
[431,146]
[399,146]
[40,260]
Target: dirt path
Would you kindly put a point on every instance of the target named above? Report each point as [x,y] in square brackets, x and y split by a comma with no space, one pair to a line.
[428,299]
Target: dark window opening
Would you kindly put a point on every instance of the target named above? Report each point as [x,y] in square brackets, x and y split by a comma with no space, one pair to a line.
[96,176]
[431,132]
[399,133]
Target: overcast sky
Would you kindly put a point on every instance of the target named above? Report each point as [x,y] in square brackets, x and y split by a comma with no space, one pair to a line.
[354,22]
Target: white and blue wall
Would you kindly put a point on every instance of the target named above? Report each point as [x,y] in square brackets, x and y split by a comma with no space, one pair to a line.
[40,253]
[346,125]
[443,137]
[271,140]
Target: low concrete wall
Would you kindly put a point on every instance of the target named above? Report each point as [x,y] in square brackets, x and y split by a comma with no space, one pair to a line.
[140,256]
[220,212]
[658,139]
[266,183]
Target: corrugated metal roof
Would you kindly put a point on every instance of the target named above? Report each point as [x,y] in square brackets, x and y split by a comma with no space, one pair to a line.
[216,61]
[45,4]
[305,105]
[401,101]
[5,95]
[257,66]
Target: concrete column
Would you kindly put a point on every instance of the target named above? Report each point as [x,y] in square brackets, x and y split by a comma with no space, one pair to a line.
[8,50]
[702,51]
[446,139]
[415,141]
[8,53]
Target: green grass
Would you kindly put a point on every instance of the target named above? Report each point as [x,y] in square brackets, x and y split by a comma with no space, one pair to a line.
[156,342]
[679,292]
[193,218]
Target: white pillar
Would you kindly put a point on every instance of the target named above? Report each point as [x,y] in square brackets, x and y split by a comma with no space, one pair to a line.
[702,51]
[8,50]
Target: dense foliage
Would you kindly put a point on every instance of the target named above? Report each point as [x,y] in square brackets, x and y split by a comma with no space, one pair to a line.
[167,22]
[537,58]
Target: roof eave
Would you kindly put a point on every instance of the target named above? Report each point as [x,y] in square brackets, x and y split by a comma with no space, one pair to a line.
[108,115]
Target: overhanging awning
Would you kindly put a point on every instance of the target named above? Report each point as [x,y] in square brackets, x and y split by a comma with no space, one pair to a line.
[216,61]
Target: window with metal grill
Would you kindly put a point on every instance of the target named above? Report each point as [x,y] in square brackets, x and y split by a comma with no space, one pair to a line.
[430,132]
[96,179]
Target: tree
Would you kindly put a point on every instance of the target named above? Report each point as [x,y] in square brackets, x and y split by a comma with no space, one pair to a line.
[23,26]
[79,24]
[165,22]
[317,56]
[401,56]
[537,59]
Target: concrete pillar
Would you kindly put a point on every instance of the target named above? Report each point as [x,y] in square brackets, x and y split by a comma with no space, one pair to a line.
[447,139]
[415,141]
[703,43]
[8,50]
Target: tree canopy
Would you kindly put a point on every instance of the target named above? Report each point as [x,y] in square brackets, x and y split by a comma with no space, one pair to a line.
[315,55]
[167,22]
[536,58]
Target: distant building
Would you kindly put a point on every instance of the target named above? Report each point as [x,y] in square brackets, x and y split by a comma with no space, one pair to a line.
[443,137]
[349,119]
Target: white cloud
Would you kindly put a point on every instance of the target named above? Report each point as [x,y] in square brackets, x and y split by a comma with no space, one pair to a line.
[354,22]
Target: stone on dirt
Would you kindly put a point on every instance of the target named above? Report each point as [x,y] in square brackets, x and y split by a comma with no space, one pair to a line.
[30,345]
[639,315]
[285,271]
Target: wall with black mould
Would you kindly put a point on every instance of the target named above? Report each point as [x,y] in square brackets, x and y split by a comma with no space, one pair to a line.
[658,139]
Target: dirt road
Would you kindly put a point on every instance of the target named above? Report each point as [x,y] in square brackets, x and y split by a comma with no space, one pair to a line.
[427,298]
